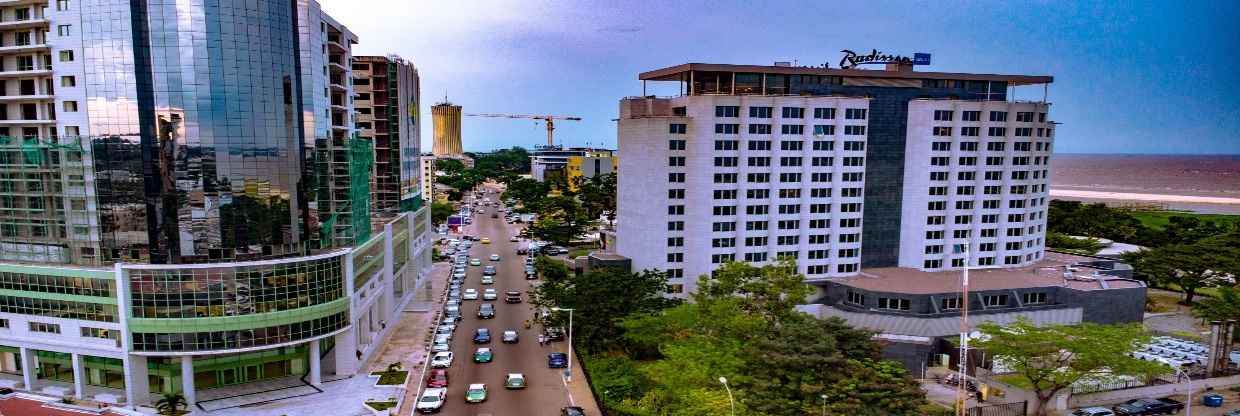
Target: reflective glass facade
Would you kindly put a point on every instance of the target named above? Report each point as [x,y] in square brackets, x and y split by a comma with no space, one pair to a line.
[235,290]
[195,111]
[242,338]
[58,308]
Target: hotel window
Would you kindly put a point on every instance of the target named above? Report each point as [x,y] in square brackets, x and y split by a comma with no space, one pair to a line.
[994,161]
[935,220]
[676,161]
[962,219]
[676,274]
[790,193]
[789,177]
[942,131]
[961,233]
[755,257]
[964,204]
[1024,117]
[757,209]
[847,252]
[822,161]
[949,304]
[722,258]
[677,128]
[824,130]
[938,190]
[854,161]
[854,146]
[724,194]
[792,129]
[758,177]
[727,111]
[675,225]
[676,177]
[851,176]
[967,161]
[680,111]
[675,241]
[970,131]
[854,113]
[759,112]
[934,249]
[817,224]
[850,192]
[724,210]
[941,146]
[932,264]
[70,106]
[789,209]
[755,241]
[893,304]
[940,161]
[756,226]
[846,268]
[759,161]
[942,115]
[66,56]
[759,145]
[994,300]
[793,112]
[759,129]
[820,239]
[1024,131]
[757,193]
[854,130]
[789,161]
[824,113]
[819,208]
[856,298]
[676,194]
[996,131]
[788,240]
[850,207]
[727,144]
[823,145]
[675,210]
[723,242]
[818,269]
[970,115]
[998,116]
[676,145]
[727,129]
[44,327]
[726,162]
[820,193]
[62,30]
[791,145]
[675,257]
[850,238]
[62,5]
[820,177]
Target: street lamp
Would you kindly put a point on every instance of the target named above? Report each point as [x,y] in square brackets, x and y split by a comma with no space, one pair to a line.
[568,375]
[732,402]
[824,404]
[1188,404]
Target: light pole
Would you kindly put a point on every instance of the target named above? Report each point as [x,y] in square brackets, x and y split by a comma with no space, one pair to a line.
[731,401]
[824,404]
[568,375]
[1188,404]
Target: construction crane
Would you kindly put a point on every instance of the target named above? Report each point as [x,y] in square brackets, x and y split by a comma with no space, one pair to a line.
[549,119]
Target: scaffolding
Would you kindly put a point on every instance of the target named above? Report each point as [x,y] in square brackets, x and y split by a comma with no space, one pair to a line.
[343,170]
[47,202]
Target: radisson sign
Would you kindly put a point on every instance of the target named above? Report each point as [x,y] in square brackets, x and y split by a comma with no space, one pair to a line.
[852,59]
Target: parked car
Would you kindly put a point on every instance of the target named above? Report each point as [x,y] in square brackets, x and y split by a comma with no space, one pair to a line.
[443,338]
[510,337]
[437,378]
[431,400]
[555,333]
[1093,411]
[483,355]
[514,381]
[482,336]
[486,311]
[1144,407]
[572,411]
[442,360]
[557,360]
[440,347]
[477,393]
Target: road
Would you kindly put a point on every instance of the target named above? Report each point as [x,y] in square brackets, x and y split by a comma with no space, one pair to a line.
[547,392]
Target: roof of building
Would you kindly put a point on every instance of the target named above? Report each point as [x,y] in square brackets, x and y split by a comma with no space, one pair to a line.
[1046,273]
[674,73]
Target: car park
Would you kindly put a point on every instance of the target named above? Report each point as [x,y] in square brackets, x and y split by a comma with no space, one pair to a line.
[483,355]
[482,336]
[489,294]
[442,359]
[487,280]
[486,311]
[431,400]
[494,257]
[557,360]
[1144,407]
[477,393]
[437,378]
[514,381]
[512,296]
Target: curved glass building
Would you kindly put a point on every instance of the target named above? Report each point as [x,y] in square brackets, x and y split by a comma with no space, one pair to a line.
[184,200]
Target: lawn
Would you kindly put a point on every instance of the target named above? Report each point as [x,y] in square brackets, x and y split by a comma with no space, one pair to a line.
[391,378]
[1159,219]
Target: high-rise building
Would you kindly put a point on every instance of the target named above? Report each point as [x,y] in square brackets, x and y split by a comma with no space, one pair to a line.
[428,176]
[160,209]
[386,95]
[838,169]
[447,119]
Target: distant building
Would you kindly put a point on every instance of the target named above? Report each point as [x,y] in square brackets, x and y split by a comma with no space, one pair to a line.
[569,164]
[428,175]
[386,94]
[447,119]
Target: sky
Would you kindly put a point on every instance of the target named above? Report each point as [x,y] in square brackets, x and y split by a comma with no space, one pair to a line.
[1148,77]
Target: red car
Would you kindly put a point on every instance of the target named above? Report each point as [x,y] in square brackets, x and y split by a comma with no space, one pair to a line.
[437,378]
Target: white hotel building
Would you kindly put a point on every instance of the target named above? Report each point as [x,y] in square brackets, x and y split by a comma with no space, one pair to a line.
[840,169]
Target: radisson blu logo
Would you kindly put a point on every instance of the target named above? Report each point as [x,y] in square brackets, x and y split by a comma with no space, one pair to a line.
[852,59]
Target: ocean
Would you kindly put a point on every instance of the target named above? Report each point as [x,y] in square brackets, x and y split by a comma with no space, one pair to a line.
[1208,184]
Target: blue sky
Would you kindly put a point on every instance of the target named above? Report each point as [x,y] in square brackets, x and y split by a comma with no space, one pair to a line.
[1145,78]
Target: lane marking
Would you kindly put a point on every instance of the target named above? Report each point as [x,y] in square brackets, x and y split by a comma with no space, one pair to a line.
[571,402]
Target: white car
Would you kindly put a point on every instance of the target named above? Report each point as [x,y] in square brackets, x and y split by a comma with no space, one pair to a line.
[494,257]
[440,347]
[490,294]
[445,329]
[513,239]
[442,359]
[470,294]
[488,280]
[432,400]
[443,338]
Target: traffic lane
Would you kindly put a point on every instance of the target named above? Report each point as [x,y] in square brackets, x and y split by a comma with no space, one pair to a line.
[545,393]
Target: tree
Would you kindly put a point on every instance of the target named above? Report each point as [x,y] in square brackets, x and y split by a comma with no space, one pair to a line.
[1220,308]
[528,194]
[787,372]
[440,211]
[170,404]
[1051,358]
[560,220]
[604,296]
[1088,246]
[1189,266]
[771,292]
[449,166]
[598,195]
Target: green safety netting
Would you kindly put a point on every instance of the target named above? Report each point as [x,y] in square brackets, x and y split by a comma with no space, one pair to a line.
[32,147]
[361,158]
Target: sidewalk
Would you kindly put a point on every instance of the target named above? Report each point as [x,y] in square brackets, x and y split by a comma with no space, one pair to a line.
[409,341]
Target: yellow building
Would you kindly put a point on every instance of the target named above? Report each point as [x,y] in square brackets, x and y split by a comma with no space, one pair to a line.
[447,119]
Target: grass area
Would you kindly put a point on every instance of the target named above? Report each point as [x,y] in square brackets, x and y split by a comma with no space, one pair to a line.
[1014,380]
[1158,220]
[1158,301]
[391,378]
[934,409]
[381,406]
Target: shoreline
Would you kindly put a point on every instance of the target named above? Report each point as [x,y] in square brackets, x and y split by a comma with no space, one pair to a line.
[1190,203]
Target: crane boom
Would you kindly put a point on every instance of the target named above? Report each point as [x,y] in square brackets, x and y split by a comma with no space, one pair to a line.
[549,119]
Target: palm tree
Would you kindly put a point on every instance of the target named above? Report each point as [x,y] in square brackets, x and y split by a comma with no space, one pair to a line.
[171,404]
